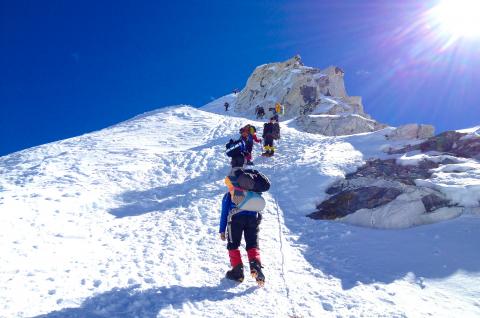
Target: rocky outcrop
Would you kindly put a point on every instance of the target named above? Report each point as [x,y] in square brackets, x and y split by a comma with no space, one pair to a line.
[297,87]
[302,91]
[306,92]
[411,131]
[450,142]
[383,194]
[349,201]
[432,202]
[389,170]
[336,125]
[392,193]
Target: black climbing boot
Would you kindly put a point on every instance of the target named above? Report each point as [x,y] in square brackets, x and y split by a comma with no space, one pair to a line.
[256,272]
[236,273]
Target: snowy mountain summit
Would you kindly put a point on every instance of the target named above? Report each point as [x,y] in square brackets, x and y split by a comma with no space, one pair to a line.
[301,89]
[315,98]
[123,222]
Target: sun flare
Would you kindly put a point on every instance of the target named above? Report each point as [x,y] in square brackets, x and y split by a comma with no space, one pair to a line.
[457,18]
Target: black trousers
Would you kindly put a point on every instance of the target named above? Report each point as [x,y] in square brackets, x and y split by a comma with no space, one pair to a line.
[244,224]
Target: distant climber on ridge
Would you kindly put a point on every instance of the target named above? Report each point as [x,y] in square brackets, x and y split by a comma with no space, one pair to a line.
[279,109]
[259,112]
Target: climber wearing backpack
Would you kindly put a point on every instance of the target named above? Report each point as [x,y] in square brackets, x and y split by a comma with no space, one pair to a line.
[271,132]
[261,112]
[241,207]
[278,109]
[249,135]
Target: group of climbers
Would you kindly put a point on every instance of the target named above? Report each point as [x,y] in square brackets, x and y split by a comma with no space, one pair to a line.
[243,202]
[241,212]
[271,132]
[277,110]
[260,111]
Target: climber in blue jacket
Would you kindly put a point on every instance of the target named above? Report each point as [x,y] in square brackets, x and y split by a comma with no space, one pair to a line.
[234,223]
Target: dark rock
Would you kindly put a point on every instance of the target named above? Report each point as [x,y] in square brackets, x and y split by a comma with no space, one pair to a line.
[433,202]
[309,94]
[469,148]
[443,142]
[335,189]
[448,161]
[450,142]
[349,201]
[390,170]
[379,182]
[356,191]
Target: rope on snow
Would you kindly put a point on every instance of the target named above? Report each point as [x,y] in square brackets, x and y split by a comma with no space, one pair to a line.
[280,234]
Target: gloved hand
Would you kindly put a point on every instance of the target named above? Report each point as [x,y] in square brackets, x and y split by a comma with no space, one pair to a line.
[222,236]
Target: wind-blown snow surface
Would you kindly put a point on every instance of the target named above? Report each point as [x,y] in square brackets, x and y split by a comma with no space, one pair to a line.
[123,223]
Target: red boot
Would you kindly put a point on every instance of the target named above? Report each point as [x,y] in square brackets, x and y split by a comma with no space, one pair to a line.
[253,254]
[235,257]
[236,273]
[256,266]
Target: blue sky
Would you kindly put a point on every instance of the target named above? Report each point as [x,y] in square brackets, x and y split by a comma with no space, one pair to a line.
[71,67]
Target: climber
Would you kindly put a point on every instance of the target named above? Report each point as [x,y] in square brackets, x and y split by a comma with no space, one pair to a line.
[259,112]
[271,132]
[248,135]
[279,109]
[226,105]
[235,221]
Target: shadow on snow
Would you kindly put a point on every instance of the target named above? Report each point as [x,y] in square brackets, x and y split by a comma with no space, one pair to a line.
[173,195]
[132,302]
[363,255]
[167,197]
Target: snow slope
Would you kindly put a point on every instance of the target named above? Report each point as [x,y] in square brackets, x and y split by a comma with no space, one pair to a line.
[123,222]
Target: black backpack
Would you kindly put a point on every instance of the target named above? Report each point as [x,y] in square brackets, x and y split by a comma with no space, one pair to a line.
[235,148]
[276,131]
[253,180]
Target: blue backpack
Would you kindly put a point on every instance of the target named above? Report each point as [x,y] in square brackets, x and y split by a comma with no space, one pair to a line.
[245,188]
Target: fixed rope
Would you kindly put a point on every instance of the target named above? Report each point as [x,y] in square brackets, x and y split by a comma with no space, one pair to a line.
[280,234]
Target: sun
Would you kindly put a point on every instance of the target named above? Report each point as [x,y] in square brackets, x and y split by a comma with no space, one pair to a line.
[457,18]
